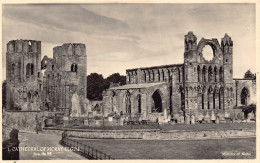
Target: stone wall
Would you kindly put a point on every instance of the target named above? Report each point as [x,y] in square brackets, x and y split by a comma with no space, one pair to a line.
[64,81]
[22,120]
[23,75]
[158,135]
[249,86]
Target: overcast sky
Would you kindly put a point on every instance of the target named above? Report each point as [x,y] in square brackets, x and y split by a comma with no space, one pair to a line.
[122,36]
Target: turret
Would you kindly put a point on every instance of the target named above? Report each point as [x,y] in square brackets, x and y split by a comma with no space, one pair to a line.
[227,49]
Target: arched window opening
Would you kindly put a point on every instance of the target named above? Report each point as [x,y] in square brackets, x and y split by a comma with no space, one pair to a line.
[208,52]
[157,102]
[28,69]
[13,69]
[112,100]
[182,97]
[219,100]
[210,74]
[52,67]
[74,68]
[163,75]
[198,73]
[159,79]
[32,69]
[128,102]
[220,74]
[215,74]
[204,74]
[30,46]
[244,96]
[139,103]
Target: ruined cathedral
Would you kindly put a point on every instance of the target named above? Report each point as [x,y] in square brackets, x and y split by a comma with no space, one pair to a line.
[55,84]
[196,89]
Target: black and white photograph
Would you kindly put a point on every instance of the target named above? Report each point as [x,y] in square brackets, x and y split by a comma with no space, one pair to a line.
[129,81]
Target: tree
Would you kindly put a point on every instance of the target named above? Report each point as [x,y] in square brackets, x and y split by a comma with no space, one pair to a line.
[96,84]
[116,78]
[249,75]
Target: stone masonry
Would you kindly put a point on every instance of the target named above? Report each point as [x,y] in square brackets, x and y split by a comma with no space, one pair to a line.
[197,89]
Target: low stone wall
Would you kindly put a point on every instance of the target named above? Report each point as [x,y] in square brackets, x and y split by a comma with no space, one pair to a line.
[158,135]
[22,120]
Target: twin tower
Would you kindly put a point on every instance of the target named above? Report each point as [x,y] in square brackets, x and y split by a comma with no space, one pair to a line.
[49,83]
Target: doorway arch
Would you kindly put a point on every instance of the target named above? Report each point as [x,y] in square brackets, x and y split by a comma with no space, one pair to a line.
[244,96]
[157,102]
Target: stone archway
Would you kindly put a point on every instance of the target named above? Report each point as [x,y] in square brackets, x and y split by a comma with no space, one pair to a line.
[157,105]
[244,96]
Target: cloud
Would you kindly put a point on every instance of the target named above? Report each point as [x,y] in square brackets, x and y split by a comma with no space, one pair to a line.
[66,17]
[122,36]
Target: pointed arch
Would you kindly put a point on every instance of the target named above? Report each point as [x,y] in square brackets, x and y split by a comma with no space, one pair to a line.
[204,74]
[215,73]
[221,74]
[128,102]
[159,76]
[139,101]
[244,96]
[210,74]
[74,67]
[157,101]
[198,73]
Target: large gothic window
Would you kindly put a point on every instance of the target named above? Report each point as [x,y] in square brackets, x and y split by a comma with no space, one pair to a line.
[29,69]
[128,102]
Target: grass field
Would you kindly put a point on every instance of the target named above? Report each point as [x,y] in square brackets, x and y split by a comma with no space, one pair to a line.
[233,148]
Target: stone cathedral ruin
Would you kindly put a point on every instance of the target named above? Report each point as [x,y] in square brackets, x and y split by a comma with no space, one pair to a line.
[195,90]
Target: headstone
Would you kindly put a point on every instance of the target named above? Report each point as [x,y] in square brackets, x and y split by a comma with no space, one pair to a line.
[86,122]
[181,119]
[213,117]
[110,119]
[192,119]
[121,121]
[187,120]
[207,118]
[217,120]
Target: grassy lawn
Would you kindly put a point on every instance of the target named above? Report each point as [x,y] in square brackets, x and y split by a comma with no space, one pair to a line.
[235,148]
[167,127]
